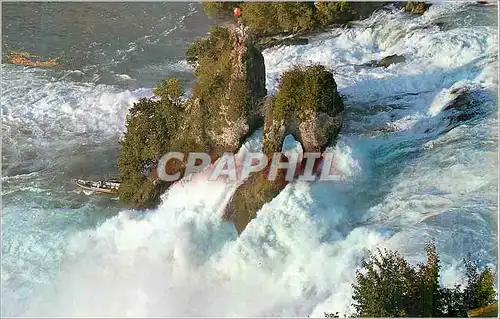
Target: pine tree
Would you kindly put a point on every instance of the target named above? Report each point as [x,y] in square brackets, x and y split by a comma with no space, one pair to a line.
[387,286]
[382,290]
[452,302]
[479,291]
[429,282]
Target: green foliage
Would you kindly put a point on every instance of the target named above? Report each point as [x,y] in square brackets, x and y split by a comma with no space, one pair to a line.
[295,16]
[382,288]
[267,18]
[306,88]
[452,302]
[217,9]
[208,47]
[169,89]
[479,291]
[429,283]
[196,48]
[271,18]
[333,12]
[151,124]
[388,286]
[261,17]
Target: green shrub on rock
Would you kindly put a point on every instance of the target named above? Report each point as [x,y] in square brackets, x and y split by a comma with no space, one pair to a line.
[217,9]
[170,89]
[151,126]
[278,17]
[295,16]
[223,109]
[331,12]
[416,7]
[341,12]
[272,18]
[230,87]
[260,17]
[210,47]
[305,89]
[309,106]
[306,105]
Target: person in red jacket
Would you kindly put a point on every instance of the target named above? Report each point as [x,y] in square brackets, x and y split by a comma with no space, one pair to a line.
[237,12]
[237,16]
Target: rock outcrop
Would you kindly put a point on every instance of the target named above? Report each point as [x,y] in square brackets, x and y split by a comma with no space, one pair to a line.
[462,107]
[307,106]
[226,102]
[269,42]
[416,7]
[386,61]
[224,108]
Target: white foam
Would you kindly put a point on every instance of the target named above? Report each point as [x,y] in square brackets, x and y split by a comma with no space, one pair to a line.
[64,107]
[41,117]
[125,77]
[183,260]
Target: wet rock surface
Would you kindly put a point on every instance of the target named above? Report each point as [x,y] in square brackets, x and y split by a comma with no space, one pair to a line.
[307,106]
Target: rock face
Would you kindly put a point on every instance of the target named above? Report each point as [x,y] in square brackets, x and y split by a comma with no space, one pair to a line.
[461,108]
[307,106]
[416,7]
[226,100]
[386,61]
[227,105]
[251,196]
[224,108]
[269,42]
[458,105]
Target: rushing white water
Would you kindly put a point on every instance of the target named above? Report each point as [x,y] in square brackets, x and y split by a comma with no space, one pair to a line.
[410,175]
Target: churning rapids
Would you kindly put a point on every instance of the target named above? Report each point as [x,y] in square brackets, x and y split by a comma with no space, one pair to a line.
[409,176]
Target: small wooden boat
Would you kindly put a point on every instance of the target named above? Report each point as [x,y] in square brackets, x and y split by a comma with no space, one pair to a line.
[109,187]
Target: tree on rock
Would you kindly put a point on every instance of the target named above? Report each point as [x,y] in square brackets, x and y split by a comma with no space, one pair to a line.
[227,97]
[223,109]
[273,18]
[170,89]
[151,125]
